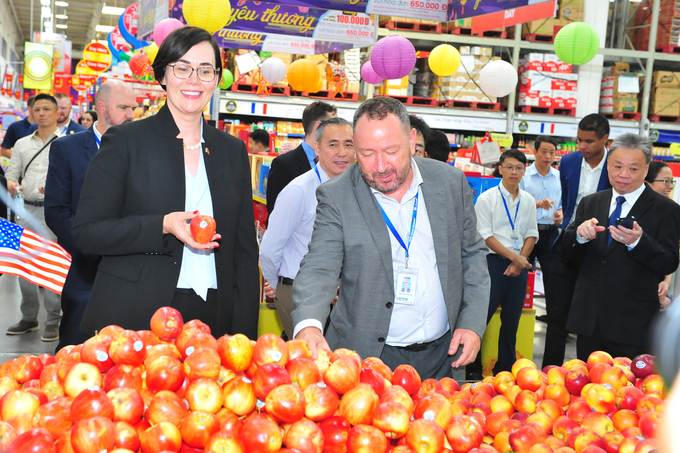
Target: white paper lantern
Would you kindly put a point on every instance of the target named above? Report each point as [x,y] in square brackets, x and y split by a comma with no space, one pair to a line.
[498,78]
[273,70]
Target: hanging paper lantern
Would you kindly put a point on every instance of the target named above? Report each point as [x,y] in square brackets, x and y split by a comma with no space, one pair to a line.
[164,28]
[139,64]
[577,43]
[369,75]
[211,15]
[318,86]
[273,70]
[498,78]
[303,75]
[444,60]
[227,80]
[151,51]
[393,57]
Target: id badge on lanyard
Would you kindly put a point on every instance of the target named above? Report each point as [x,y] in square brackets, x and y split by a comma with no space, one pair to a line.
[516,245]
[406,278]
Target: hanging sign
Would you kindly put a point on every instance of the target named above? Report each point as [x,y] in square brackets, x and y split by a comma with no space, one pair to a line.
[461,9]
[97,57]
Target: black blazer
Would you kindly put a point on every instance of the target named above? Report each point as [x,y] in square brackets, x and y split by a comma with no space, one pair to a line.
[616,286]
[69,158]
[284,169]
[131,184]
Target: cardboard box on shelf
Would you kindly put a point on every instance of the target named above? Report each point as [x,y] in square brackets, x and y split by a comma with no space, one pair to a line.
[619,67]
[665,101]
[464,50]
[564,99]
[462,23]
[485,51]
[666,79]
[564,82]
[535,81]
[624,104]
[535,99]
[552,63]
[570,10]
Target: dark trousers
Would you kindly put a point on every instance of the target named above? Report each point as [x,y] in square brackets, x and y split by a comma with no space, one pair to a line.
[507,293]
[191,306]
[586,345]
[562,283]
[543,250]
[73,305]
[432,362]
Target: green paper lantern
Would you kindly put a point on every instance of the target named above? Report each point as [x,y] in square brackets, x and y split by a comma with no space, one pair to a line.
[227,80]
[577,43]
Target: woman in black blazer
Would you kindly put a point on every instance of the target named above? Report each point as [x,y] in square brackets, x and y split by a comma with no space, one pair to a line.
[149,178]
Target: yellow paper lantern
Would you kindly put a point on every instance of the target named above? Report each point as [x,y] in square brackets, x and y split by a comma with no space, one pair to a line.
[303,75]
[444,60]
[151,51]
[211,15]
[318,86]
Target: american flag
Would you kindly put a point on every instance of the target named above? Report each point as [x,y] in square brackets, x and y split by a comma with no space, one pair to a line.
[31,256]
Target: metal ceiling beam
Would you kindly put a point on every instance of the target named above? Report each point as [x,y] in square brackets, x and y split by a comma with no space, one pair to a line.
[96,16]
[16,21]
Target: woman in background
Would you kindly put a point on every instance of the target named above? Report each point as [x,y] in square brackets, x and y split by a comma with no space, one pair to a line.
[87,119]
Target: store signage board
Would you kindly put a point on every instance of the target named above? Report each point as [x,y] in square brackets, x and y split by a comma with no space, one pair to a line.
[463,122]
[513,16]
[562,129]
[462,9]
[292,29]
[273,109]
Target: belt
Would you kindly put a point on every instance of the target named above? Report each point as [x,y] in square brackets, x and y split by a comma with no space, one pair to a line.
[286,281]
[34,203]
[544,227]
[419,346]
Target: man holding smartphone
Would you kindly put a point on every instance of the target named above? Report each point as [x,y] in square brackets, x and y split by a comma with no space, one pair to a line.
[624,240]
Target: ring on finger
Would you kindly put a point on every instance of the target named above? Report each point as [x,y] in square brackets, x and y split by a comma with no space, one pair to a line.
[621,238]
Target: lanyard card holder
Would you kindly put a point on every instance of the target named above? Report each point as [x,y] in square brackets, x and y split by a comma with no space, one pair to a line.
[405,286]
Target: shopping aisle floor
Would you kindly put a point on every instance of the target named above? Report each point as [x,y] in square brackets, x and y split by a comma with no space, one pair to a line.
[15,345]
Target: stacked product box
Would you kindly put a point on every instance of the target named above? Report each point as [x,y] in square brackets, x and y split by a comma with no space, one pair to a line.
[668,32]
[665,97]
[568,11]
[546,81]
[619,90]
[463,85]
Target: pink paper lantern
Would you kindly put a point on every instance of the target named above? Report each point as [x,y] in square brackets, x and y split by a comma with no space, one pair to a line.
[393,57]
[369,75]
[164,28]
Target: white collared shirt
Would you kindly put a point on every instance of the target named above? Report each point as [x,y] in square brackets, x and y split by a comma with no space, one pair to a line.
[198,265]
[541,187]
[492,218]
[588,181]
[97,134]
[290,228]
[24,150]
[427,319]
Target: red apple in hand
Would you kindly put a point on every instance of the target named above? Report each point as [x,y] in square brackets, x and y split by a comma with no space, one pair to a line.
[202,228]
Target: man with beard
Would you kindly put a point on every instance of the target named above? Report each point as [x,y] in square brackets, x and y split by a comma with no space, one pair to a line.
[399,235]
[64,124]
[69,158]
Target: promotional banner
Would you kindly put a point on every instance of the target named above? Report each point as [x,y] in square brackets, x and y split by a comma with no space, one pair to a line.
[460,9]
[38,65]
[62,50]
[150,13]
[513,16]
[415,9]
[293,29]
[97,57]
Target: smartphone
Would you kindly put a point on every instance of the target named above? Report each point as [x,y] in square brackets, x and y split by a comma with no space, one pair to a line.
[626,222]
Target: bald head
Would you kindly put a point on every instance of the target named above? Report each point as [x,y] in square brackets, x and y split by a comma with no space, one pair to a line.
[115,104]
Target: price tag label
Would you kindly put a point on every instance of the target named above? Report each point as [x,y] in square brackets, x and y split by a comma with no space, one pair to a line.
[289,44]
[416,9]
[336,26]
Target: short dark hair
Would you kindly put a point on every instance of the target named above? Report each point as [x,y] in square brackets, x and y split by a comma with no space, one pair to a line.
[46,97]
[437,145]
[260,136]
[540,140]
[420,125]
[177,44]
[514,154]
[654,169]
[318,134]
[92,113]
[595,123]
[314,112]
[381,106]
[29,101]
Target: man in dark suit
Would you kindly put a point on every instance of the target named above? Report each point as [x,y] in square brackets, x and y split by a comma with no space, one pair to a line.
[69,158]
[292,164]
[64,124]
[581,173]
[620,266]
[17,130]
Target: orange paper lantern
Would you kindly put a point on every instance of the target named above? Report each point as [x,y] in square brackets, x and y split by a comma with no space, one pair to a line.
[303,75]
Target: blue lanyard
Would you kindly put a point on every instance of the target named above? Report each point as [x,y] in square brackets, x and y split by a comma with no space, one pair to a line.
[512,224]
[316,169]
[98,140]
[394,231]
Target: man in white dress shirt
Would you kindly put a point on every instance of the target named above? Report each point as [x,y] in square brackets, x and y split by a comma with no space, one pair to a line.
[290,226]
[506,219]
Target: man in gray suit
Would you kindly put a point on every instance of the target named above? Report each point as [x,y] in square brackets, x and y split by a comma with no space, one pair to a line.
[399,235]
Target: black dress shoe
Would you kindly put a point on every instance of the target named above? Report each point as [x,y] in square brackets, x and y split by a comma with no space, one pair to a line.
[474,376]
[542,318]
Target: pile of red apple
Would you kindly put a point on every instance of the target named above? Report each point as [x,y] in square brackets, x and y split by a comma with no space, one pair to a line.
[175,388]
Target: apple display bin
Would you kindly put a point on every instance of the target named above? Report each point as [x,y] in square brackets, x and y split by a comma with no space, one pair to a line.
[525,339]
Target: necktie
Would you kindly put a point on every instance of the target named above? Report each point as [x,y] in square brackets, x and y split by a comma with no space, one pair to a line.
[316,159]
[615,215]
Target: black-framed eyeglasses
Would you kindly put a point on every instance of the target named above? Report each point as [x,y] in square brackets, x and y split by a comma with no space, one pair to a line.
[512,169]
[667,182]
[205,73]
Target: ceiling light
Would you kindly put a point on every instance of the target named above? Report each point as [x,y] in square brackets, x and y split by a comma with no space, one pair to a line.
[45,2]
[61,16]
[104,28]
[48,24]
[64,4]
[112,10]
[61,26]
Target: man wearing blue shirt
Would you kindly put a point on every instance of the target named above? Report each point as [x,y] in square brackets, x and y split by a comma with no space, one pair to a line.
[543,183]
[17,130]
